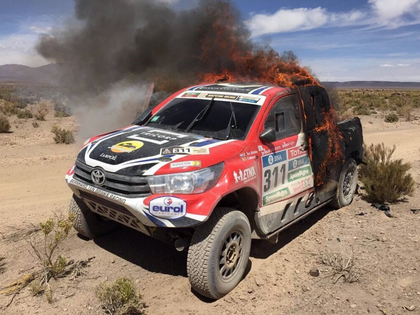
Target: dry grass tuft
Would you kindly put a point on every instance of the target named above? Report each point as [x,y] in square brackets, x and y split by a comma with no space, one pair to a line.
[341,267]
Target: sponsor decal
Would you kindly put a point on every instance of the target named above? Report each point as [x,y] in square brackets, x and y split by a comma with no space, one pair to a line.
[299,162]
[245,99]
[274,158]
[155,118]
[168,208]
[248,99]
[299,173]
[185,150]
[190,94]
[295,152]
[186,164]
[157,136]
[251,155]
[126,146]
[287,143]
[108,156]
[97,191]
[275,196]
[245,175]
[302,184]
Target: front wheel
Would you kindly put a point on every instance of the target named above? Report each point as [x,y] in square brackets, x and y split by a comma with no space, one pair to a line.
[347,184]
[219,252]
[87,223]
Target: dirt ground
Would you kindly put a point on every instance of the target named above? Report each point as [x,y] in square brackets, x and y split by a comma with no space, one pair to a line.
[386,250]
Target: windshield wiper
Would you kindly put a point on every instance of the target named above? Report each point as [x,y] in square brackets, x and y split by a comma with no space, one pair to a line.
[232,117]
[202,113]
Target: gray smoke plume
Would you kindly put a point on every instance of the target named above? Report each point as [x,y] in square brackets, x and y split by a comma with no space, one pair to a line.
[145,40]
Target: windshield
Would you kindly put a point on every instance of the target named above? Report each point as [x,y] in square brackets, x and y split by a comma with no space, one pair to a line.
[210,118]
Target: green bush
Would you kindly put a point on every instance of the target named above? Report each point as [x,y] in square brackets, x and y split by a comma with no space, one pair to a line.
[385,180]
[390,118]
[4,124]
[120,297]
[62,135]
[25,113]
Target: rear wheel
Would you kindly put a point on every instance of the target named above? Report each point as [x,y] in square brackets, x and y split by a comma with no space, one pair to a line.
[347,184]
[87,223]
[219,253]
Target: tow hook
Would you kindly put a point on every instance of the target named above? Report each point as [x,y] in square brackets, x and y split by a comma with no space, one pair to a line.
[182,243]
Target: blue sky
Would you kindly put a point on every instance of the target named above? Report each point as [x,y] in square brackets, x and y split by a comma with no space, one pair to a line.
[338,40]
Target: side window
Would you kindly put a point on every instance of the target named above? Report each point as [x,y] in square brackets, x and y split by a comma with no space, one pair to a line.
[284,118]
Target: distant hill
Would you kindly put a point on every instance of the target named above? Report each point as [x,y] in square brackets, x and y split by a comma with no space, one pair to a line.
[52,73]
[374,85]
[48,74]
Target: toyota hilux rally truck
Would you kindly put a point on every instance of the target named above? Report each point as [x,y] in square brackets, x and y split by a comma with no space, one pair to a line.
[214,166]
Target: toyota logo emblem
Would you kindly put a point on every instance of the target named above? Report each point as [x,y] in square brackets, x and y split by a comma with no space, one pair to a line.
[98,177]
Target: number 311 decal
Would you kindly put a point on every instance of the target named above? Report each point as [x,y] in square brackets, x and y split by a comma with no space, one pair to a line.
[274,174]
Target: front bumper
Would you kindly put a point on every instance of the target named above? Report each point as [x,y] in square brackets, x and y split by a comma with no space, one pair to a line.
[132,212]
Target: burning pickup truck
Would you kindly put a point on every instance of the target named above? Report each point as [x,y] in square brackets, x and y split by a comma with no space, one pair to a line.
[214,166]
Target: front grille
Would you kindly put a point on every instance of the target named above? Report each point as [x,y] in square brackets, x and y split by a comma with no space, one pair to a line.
[113,211]
[125,185]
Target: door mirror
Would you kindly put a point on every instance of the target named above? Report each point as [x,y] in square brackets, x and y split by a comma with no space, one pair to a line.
[268,135]
[143,117]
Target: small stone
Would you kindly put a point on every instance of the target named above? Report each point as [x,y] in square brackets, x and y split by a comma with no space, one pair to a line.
[314,272]
[353,305]
[305,288]
[411,308]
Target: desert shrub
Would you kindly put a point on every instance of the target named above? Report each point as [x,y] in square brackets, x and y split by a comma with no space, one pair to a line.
[62,135]
[8,108]
[405,112]
[390,118]
[41,112]
[44,244]
[25,113]
[385,180]
[61,110]
[35,124]
[361,110]
[4,124]
[120,297]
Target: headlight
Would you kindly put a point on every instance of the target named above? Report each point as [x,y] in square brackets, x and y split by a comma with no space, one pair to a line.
[186,183]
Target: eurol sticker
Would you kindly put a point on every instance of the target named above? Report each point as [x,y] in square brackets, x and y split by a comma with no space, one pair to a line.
[168,207]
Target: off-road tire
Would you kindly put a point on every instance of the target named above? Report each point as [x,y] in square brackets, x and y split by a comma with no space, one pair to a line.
[226,234]
[87,223]
[347,185]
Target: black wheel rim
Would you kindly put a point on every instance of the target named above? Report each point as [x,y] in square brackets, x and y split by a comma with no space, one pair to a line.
[230,255]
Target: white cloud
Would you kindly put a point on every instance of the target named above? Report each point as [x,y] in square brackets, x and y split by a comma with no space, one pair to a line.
[41,30]
[19,49]
[287,20]
[391,9]
[380,13]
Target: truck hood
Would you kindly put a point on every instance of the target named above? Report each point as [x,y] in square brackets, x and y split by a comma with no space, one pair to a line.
[146,150]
